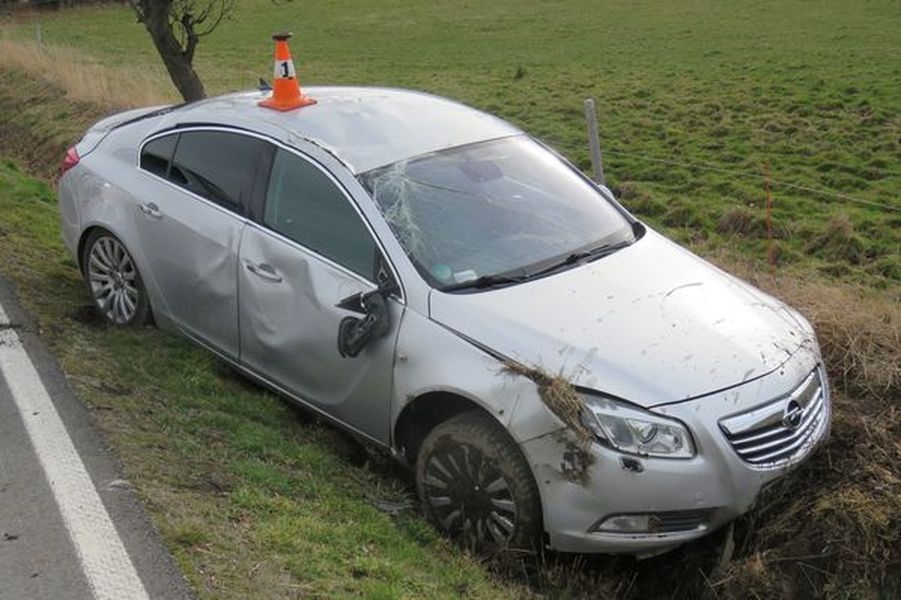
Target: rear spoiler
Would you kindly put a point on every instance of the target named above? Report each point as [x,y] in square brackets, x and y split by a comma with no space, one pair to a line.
[100,129]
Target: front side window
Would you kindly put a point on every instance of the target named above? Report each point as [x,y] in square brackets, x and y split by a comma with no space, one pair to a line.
[217,165]
[305,205]
[500,207]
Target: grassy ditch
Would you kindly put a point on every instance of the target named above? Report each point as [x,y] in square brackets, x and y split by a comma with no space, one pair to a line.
[256,499]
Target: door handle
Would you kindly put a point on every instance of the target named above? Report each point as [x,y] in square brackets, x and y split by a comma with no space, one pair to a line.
[264,271]
[152,210]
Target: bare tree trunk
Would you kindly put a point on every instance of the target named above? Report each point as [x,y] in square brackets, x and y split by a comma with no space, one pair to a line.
[155,15]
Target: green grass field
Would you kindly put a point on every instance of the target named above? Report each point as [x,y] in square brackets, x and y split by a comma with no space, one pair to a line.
[811,89]
[695,100]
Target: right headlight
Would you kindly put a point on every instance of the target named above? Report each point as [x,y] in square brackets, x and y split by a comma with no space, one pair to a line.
[635,431]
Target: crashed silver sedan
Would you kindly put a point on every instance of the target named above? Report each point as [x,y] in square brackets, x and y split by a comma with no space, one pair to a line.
[440,284]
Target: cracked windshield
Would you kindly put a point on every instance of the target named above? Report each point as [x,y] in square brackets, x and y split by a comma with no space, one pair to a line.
[501,207]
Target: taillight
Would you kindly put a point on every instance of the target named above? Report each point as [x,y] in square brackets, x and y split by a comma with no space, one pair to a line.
[69,160]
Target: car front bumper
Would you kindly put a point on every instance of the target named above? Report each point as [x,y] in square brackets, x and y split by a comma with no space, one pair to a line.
[581,488]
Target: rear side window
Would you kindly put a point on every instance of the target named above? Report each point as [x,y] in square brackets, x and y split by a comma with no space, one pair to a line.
[303,204]
[156,154]
[217,165]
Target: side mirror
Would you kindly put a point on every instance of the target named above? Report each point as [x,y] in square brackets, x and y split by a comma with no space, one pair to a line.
[354,334]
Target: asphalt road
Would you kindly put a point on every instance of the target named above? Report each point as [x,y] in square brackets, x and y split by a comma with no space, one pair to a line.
[70,524]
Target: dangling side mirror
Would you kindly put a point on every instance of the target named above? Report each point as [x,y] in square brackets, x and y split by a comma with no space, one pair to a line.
[354,333]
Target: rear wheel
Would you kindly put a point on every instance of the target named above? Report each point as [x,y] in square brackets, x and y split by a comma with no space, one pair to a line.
[475,485]
[113,280]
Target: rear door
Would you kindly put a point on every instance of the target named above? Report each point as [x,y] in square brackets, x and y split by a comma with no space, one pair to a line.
[309,250]
[199,183]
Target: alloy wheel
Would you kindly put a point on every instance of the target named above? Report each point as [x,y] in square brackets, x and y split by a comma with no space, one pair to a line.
[112,277]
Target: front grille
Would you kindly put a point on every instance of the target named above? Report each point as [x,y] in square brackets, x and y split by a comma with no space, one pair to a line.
[784,429]
[678,520]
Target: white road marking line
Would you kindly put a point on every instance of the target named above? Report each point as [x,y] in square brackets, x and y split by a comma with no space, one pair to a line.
[103,557]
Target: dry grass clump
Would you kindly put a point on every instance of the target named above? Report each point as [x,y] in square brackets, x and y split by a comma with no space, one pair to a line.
[839,241]
[859,328]
[834,527]
[638,199]
[38,123]
[750,577]
[746,222]
[859,332]
[84,79]
[558,394]
[739,220]
[630,190]
[49,95]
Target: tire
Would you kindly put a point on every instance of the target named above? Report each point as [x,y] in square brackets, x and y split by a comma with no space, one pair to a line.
[113,281]
[476,487]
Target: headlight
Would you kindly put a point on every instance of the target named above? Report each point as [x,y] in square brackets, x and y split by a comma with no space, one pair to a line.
[629,429]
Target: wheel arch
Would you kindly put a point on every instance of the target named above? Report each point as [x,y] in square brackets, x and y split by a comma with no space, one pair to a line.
[424,412]
[82,240]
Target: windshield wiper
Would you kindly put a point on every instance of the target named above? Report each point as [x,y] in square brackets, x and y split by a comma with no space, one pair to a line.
[485,281]
[578,257]
[582,256]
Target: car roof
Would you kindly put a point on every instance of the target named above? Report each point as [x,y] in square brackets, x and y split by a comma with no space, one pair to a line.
[364,127]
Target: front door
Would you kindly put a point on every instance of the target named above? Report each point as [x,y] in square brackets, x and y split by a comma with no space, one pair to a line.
[312,250]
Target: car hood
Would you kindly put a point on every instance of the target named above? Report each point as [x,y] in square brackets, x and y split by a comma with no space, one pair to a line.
[651,323]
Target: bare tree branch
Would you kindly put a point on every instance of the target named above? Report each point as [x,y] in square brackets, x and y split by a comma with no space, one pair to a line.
[176,27]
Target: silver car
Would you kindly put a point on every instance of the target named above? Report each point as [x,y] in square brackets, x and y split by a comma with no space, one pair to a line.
[445,287]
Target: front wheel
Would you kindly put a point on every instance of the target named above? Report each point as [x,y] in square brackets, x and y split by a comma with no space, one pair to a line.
[113,280]
[476,487]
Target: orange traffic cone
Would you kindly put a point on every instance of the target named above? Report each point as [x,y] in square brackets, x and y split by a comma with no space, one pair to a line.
[286,92]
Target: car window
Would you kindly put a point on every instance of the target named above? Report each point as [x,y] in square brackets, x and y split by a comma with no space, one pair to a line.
[217,165]
[156,154]
[305,205]
[500,207]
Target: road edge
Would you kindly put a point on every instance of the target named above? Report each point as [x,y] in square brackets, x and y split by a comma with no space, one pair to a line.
[154,564]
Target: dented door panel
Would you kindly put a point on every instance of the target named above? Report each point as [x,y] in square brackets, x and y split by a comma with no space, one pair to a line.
[192,250]
[289,322]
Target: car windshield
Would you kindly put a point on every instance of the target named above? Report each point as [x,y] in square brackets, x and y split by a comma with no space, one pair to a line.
[505,208]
